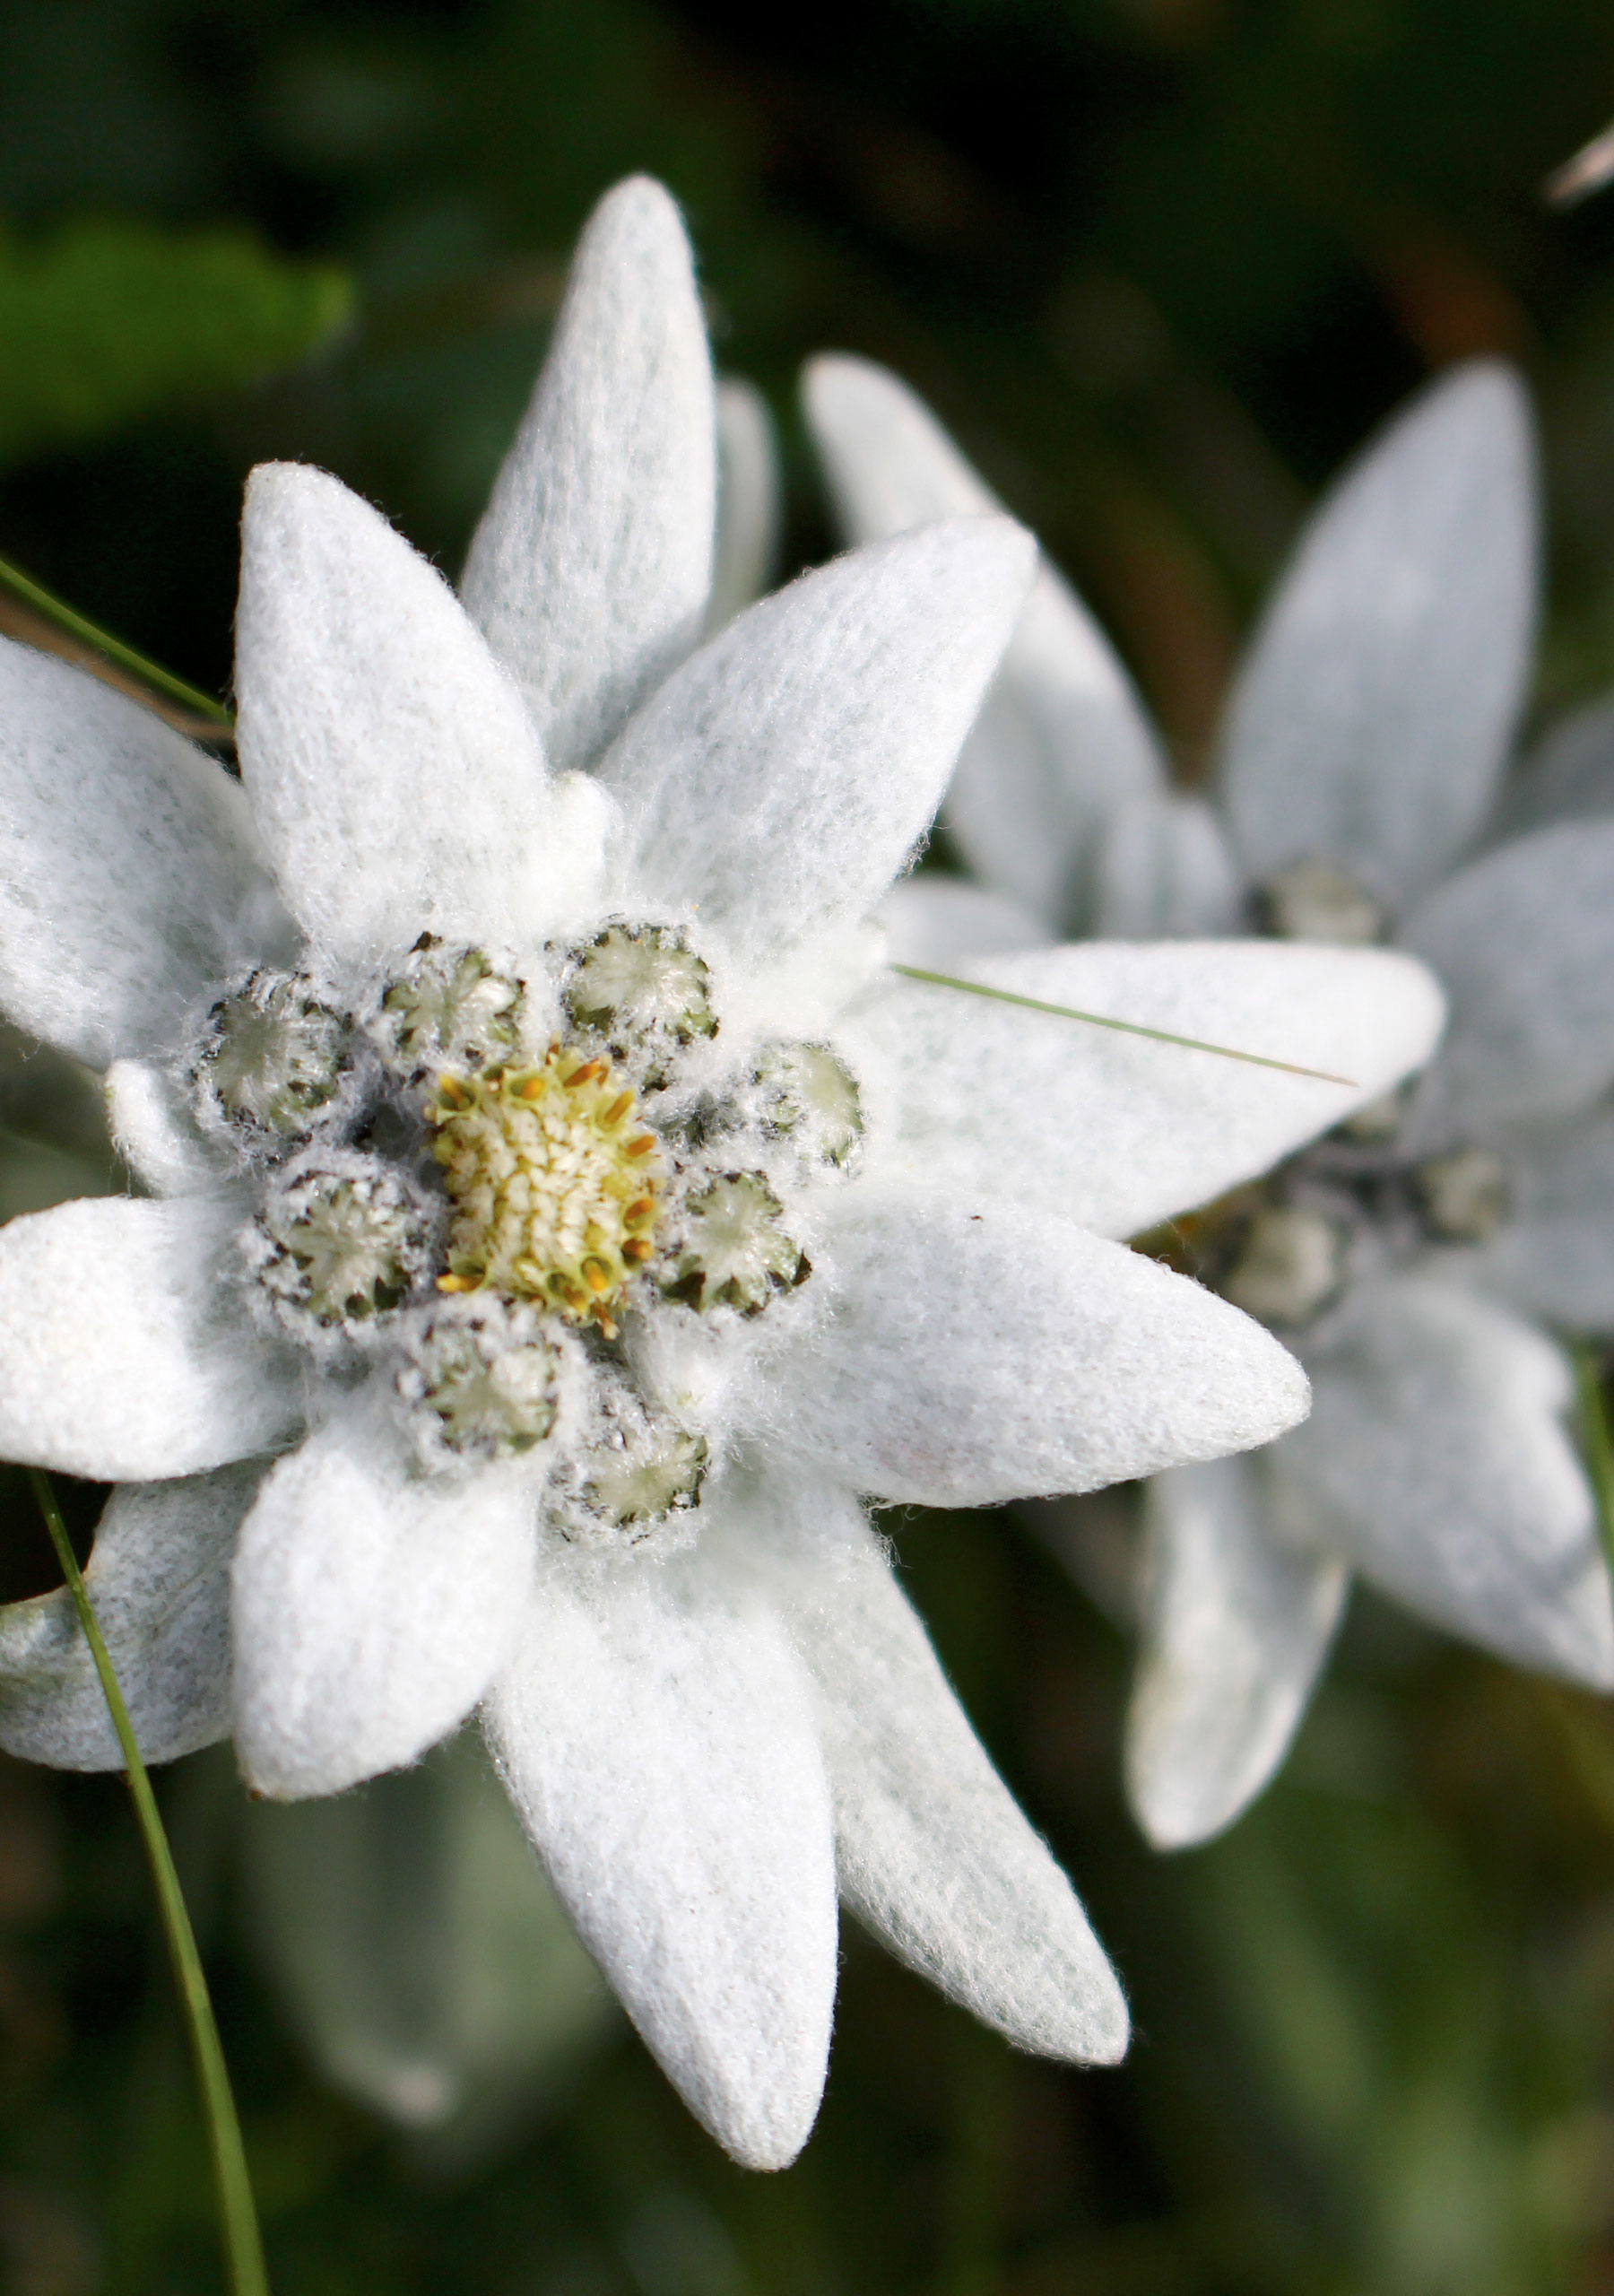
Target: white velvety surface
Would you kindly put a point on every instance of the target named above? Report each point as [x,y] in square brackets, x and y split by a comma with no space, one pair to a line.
[657,1737]
[1238,1621]
[394,776]
[1374,712]
[1554,1253]
[932,1854]
[1112,1131]
[1437,1445]
[659,1728]
[152,1130]
[1165,872]
[371,1605]
[128,866]
[1524,941]
[1060,738]
[974,1352]
[783,776]
[932,921]
[889,464]
[749,502]
[1568,776]
[124,1352]
[590,570]
[159,1579]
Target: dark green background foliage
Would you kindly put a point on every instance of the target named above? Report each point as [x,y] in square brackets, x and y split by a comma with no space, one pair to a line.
[1162,263]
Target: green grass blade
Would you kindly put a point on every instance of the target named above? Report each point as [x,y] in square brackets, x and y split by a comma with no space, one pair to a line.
[243,2243]
[77,625]
[1126,1028]
[1597,1439]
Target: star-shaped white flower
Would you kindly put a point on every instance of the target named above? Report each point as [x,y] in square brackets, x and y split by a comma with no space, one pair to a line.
[1411,1259]
[563,1222]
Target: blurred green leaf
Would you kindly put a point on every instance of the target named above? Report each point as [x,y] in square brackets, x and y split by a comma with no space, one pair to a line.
[420,1952]
[103,322]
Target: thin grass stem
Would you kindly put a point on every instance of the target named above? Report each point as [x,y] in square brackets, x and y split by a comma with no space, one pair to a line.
[1126,1028]
[243,2243]
[1597,1439]
[77,625]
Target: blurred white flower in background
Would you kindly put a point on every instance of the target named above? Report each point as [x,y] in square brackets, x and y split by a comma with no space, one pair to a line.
[421,1958]
[563,1221]
[1413,1257]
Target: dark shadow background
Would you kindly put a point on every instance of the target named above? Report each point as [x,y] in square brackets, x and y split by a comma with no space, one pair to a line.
[1162,265]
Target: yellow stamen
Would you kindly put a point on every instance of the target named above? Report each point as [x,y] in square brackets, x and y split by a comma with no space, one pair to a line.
[546,1194]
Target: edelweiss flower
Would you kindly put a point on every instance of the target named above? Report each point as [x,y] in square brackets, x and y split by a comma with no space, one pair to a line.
[547,1156]
[1362,754]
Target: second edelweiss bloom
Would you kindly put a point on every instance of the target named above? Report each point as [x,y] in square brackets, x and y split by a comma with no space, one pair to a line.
[564,1221]
[1412,1257]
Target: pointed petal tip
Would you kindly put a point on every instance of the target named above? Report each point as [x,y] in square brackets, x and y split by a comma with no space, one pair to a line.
[853,404]
[1241,1603]
[888,464]
[1577,1641]
[638,231]
[1168,1824]
[1285,1391]
[659,1742]
[993,557]
[1488,393]
[300,499]
[766,2141]
[273,1769]
[1402,1011]
[783,776]
[1179,1805]
[1374,713]
[591,568]
[269,484]
[1183,1807]
[1477,414]
[835,383]
[1111,2033]
[1416,1009]
[1137,1368]
[287,504]
[1096,2026]
[640,207]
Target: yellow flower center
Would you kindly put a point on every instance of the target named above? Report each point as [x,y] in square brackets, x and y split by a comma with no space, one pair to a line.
[555,1183]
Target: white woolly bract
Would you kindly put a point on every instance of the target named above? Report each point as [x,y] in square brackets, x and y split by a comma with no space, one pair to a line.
[158,1578]
[371,1605]
[711,1911]
[101,794]
[1061,739]
[786,774]
[590,571]
[154,1132]
[395,777]
[1439,1451]
[1110,1130]
[1238,1619]
[127,1352]
[1035,1358]
[932,1854]
[1373,716]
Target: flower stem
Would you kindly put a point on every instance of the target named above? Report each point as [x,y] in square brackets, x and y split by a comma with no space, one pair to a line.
[77,625]
[1597,1439]
[1127,1028]
[243,2243]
